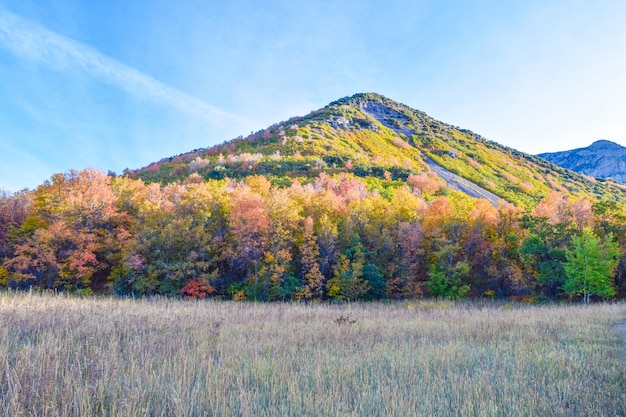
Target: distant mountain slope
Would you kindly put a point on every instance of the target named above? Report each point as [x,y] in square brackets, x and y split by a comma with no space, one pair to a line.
[603,159]
[380,140]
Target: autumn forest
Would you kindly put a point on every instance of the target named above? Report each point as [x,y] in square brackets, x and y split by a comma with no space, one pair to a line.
[87,232]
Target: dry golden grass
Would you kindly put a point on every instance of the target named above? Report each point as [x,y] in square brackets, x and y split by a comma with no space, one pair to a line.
[62,356]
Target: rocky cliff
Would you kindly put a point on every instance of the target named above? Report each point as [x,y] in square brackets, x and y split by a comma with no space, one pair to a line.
[603,159]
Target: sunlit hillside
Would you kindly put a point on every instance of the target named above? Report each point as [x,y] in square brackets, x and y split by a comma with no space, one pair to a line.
[375,138]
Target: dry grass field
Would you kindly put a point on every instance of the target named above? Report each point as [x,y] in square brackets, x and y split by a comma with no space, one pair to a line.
[62,356]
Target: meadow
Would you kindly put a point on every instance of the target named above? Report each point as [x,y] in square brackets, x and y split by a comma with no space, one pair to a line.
[64,356]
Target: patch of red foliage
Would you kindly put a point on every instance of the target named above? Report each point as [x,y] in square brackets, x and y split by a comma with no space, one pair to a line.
[196,289]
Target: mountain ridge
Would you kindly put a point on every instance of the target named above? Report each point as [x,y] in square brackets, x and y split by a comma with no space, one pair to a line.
[602,159]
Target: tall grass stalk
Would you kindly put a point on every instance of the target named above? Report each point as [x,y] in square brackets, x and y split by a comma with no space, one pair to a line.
[62,356]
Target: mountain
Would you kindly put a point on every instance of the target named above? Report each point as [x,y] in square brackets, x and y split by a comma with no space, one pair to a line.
[364,199]
[603,159]
[382,141]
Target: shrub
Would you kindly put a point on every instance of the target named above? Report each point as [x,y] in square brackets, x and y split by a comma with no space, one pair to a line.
[196,289]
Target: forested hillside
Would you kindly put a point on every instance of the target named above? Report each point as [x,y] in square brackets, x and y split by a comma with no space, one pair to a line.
[339,205]
[376,139]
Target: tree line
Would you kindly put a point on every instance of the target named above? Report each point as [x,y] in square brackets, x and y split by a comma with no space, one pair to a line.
[333,238]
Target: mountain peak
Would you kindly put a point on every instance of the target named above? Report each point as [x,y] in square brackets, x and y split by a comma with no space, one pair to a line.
[602,159]
[362,97]
[604,144]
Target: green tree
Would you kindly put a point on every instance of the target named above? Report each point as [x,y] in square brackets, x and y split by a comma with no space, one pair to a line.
[545,263]
[448,275]
[447,282]
[590,266]
[347,282]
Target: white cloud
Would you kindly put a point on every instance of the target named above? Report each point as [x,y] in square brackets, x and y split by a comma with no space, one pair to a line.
[36,43]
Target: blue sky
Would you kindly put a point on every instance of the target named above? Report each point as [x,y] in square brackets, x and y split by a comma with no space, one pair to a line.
[121,84]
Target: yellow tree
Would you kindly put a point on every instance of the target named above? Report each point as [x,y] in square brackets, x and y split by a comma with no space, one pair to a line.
[285,221]
[312,277]
[68,248]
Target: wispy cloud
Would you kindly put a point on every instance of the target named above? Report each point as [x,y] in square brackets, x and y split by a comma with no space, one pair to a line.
[32,41]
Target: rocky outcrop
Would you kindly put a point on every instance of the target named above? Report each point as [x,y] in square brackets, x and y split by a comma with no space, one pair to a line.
[603,159]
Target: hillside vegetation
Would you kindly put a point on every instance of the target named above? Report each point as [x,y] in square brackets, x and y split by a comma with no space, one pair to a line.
[339,205]
[371,136]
